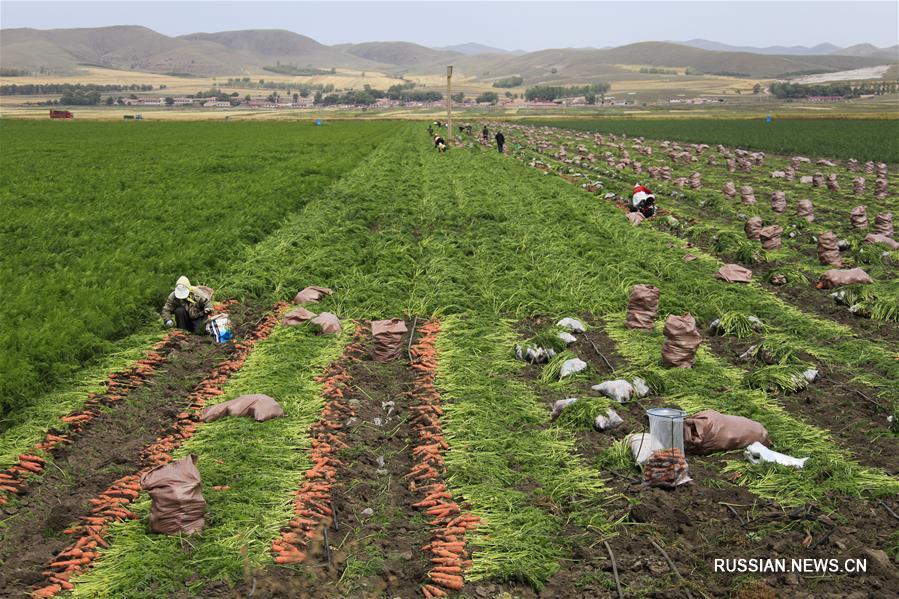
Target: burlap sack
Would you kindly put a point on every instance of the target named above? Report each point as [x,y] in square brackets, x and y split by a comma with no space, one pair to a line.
[882,170]
[734,273]
[770,237]
[804,209]
[311,294]
[729,190]
[387,338]
[635,218]
[852,165]
[828,252]
[326,323]
[875,238]
[297,316]
[710,431]
[682,338]
[818,180]
[883,224]
[869,168]
[752,226]
[859,217]
[695,180]
[747,195]
[207,291]
[832,183]
[259,407]
[789,173]
[177,497]
[837,278]
[642,307]
[778,201]
[858,186]
[731,165]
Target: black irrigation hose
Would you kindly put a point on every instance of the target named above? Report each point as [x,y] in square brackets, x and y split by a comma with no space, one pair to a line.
[614,570]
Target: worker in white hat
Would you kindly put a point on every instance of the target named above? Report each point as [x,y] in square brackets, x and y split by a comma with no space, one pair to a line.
[187,307]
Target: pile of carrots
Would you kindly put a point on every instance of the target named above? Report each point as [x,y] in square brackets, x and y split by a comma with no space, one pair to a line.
[449,523]
[111,505]
[312,502]
[118,385]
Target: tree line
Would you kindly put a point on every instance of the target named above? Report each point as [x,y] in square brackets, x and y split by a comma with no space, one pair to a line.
[33,89]
[843,89]
[548,93]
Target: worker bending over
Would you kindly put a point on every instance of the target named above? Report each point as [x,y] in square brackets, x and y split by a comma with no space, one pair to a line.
[500,141]
[187,307]
[643,201]
[439,143]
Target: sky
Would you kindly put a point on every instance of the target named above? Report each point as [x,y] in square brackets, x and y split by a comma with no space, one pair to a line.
[509,25]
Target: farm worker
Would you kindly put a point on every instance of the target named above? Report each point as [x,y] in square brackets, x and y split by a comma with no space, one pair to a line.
[430,130]
[439,143]
[186,307]
[500,140]
[643,201]
[485,134]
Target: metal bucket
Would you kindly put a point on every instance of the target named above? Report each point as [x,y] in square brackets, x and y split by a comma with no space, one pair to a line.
[666,428]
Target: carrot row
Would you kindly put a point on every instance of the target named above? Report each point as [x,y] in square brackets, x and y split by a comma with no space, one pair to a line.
[13,480]
[312,502]
[449,523]
[112,504]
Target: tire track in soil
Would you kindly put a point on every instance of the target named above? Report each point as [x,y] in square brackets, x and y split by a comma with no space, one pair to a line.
[356,533]
[695,523]
[106,457]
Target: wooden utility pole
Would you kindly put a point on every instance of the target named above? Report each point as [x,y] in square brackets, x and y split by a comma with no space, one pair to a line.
[449,104]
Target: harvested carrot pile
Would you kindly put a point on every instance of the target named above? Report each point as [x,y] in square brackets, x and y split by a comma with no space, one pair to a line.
[111,505]
[118,385]
[449,523]
[312,504]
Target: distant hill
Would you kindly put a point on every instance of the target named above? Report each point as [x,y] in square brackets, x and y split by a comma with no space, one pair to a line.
[235,52]
[819,50]
[472,48]
[404,54]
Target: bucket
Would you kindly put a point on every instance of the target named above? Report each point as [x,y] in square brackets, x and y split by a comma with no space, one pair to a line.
[666,428]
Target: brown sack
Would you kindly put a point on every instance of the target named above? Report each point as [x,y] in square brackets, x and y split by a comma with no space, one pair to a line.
[805,209]
[710,431]
[837,278]
[387,339]
[729,189]
[747,195]
[883,224]
[298,316]
[859,217]
[208,291]
[778,201]
[752,227]
[642,307]
[770,237]
[311,294]
[681,341]
[327,324]
[259,407]
[875,238]
[635,218]
[828,252]
[177,497]
[734,273]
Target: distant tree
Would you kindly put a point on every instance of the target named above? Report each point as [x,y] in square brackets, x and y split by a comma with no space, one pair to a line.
[110,100]
[317,99]
[169,101]
[296,97]
[333,70]
[508,94]
[757,88]
[247,98]
[513,81]
[590,97]
[554,70]
[490,97]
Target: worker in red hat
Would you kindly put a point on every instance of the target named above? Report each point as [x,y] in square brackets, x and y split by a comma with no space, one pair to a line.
[643,201]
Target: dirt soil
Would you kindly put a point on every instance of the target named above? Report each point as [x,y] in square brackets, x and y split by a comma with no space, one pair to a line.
[375,547]
[706,519]
[108,448]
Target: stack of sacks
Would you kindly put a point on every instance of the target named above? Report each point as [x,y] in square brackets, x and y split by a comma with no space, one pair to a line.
[832,183]
[852,165]
[731,165]
[729,190]
[770,237]
[859,217]
[818,180]
[804,209]
[881,188]
[753,227]
[881,170]
[642,307]
[789,173]
[869,168]
[387,339]
[778,201]
[747,195]
[883,224]
[858,186]
[828,252]
[695,180]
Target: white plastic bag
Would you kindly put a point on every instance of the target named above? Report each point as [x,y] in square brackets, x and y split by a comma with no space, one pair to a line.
[572,324]
[639,444]
[620,390]
[572,366]
[568,338]
[641,389]
[757,453]
[559,406]
[610,420]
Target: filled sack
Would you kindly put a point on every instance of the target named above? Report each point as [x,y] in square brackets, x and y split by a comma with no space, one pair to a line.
[828,250]
[710,431]
[311,294]
[297,316]
[734,273]
[176,494]
[682,339]
[258,407]
[642,307]
[387,339]
[326,324]
[837,278]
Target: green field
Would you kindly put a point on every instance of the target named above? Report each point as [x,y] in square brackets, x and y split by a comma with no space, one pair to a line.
[495,251]
[101,218]
[862,139]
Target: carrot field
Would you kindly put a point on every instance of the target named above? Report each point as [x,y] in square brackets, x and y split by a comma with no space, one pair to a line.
[440,472]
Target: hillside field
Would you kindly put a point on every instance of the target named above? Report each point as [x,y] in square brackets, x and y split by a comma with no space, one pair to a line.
[439,470]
